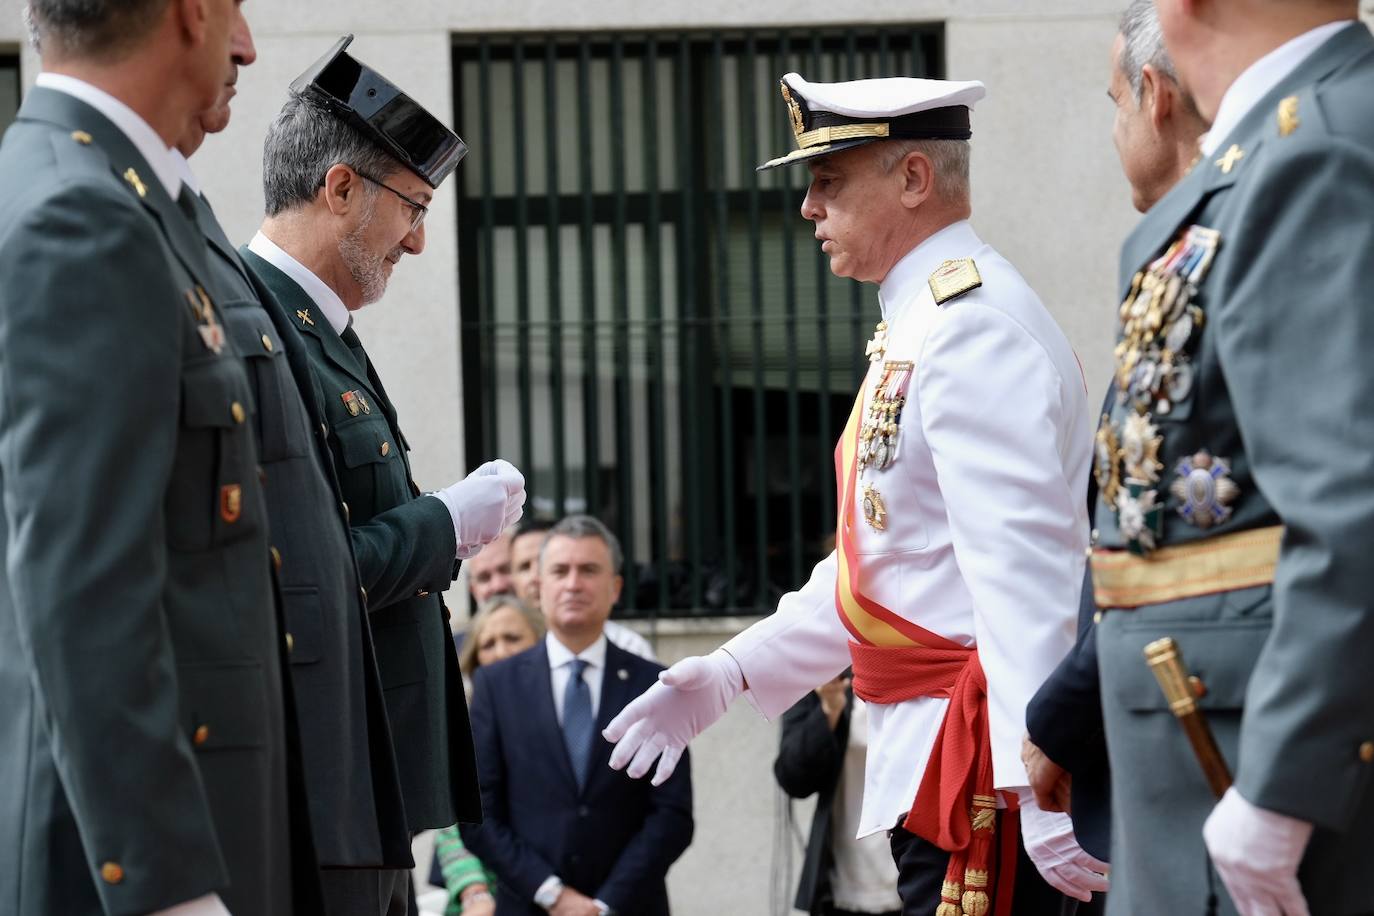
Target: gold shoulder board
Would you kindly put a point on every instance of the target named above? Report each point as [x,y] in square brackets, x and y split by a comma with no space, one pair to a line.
[954,278]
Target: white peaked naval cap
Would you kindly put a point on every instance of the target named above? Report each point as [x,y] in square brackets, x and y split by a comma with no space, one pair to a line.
[829,117]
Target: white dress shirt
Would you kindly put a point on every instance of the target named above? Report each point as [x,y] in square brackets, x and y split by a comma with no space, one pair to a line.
[146,140]
[986,523]
[328,301]
[1262,76]
[187,176]
[560,668]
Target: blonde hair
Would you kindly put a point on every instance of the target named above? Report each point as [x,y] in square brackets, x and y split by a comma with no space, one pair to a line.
[467,656]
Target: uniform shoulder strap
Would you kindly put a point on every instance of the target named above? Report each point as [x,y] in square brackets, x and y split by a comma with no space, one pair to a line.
[954,278]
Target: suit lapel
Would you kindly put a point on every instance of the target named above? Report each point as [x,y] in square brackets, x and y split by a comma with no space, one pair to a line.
[297,304]
[545,717]
[214,232]
[70,113]
[615,694]
[1164,220]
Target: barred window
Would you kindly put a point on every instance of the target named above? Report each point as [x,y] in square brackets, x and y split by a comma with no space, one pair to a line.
[649,330]
[9,89]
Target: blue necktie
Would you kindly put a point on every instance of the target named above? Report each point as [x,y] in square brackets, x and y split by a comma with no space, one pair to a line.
[578,723]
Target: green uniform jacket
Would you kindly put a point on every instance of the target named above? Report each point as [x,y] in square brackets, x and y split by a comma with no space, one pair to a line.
[404,567]
[146,727]
[1281,389]
[351,777]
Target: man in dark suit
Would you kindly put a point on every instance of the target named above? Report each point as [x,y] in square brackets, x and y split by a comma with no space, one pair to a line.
[351,775]
[147,724]
[350,165]
[563,831]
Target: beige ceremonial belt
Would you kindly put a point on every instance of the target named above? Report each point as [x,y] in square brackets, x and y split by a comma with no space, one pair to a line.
[1122,579]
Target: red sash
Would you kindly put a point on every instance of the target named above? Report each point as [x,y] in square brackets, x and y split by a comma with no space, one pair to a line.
[895,660]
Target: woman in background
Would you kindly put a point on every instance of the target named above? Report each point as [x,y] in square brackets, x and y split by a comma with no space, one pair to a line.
[505,626]
[823,749]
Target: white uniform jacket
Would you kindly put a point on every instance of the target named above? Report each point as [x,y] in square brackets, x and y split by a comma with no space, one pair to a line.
[986,525]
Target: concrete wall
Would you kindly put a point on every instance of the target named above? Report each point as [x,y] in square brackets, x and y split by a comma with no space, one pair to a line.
[1048,194]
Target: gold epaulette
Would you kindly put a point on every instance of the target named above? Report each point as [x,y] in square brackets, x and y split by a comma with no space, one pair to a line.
[954,278]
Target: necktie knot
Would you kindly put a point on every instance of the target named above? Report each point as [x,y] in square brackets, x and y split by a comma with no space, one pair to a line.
[577,667]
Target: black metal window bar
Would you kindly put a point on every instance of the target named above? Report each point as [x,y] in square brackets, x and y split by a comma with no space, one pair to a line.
[648,329]
[10,89]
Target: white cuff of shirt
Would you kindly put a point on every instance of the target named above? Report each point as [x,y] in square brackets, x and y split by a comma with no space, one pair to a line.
[548,892]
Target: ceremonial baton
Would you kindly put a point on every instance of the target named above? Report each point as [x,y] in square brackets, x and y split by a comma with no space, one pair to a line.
[1167,664]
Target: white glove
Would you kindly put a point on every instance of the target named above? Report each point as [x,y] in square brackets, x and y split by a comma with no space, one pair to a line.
[1257,852]
[209,905]
[687,698]
[1050,843]
[484,504]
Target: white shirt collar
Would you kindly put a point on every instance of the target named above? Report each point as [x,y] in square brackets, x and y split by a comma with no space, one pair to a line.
[139,132]
[328,301]
[560,655]
[1262,76]
[188,177]
[906,278]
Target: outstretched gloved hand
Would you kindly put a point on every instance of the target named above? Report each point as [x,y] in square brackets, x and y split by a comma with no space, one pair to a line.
[688,697]
[484,504]
[1051,846]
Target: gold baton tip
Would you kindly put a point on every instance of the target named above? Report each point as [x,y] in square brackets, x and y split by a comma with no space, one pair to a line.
[1166,662]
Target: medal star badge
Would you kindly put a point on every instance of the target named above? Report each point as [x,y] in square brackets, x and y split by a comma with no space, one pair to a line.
[875,510]
[350,403]
[1106,461]
[1205,490]
[1139,516]
[877,347]
[210,330]
[1140,443]
[230,502]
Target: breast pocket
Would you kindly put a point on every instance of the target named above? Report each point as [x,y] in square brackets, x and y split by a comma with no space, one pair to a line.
[212,497]
[280,420]
[369,461]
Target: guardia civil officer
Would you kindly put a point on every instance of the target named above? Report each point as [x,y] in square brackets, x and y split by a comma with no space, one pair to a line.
[349,168]
[351,776]
[1236,491]
[146,724]
[962,526]
[1156,133]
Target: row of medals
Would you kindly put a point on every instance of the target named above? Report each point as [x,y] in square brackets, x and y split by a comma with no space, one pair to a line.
[1154,374]
[881,427]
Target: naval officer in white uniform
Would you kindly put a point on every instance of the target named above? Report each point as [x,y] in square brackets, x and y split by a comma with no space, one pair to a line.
[954,587]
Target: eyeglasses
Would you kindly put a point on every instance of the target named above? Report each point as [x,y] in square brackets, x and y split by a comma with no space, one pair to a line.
[418,211]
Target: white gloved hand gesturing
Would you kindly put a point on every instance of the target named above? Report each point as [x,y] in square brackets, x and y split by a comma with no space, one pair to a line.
[484,504]
[688,697]
[1051,846]
[1257,852]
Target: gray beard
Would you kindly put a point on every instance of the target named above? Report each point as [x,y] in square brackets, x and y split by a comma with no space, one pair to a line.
[365,267]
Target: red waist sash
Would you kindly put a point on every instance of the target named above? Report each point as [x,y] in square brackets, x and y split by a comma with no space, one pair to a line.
[895,660]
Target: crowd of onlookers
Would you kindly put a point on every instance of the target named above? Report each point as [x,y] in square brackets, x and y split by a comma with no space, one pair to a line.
[545,669]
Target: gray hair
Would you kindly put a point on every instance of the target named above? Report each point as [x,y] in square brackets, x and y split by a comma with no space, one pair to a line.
[585,526]
[304,142]
[1143,43]
[950,159]
[97,29]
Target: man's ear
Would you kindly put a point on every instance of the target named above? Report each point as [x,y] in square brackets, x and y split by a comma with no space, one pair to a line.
[194,19]
[1157,92]
[616,586]
[918,178]
[342,189]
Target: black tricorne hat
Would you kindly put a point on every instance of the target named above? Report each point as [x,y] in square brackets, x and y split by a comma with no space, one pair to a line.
[370,102]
